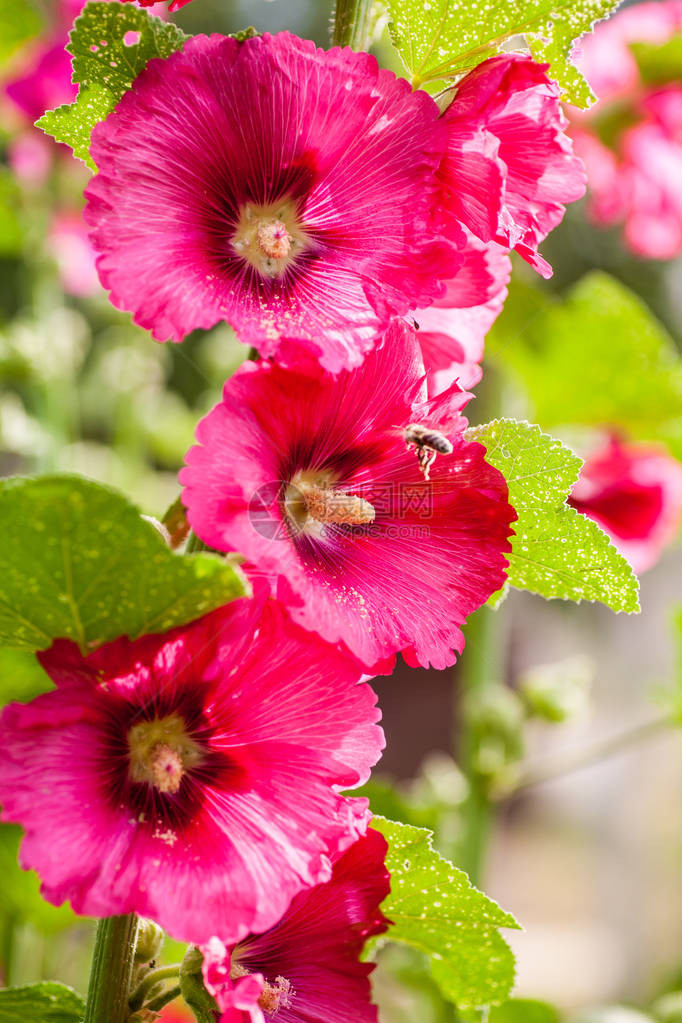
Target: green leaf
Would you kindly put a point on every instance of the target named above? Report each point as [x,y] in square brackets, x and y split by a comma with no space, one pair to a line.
[41,1003]
[78,561]
[560,691]
[245,33]
[406,991]
[659,63]
[444,38]
[101,55]
[19,22]
[434,908]
[110,43]
[524,1010]
[601,334]
[21,677]
[11,233]
[553,44]
[557,551]
[20,898]
[668,1007]
[72,123]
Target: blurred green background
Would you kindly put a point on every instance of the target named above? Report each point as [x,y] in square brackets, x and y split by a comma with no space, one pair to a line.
[588,861]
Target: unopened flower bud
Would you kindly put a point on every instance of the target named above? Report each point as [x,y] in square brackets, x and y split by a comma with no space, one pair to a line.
[149,941]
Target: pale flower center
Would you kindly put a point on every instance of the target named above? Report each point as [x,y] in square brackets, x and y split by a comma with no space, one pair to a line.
[269,236]
[161,752]
[312,501]
[274,239]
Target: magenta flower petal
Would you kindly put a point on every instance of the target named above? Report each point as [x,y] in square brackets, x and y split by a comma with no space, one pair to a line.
[634,492]
[452,331]
[634,168]
[513,108]
[473,178]
[608,186]
[46,81]
[237,998]
[30,157]
[285,189]
[69,245]
[310,960]
[652,172]
[639,182]
[193,776]
[309,477]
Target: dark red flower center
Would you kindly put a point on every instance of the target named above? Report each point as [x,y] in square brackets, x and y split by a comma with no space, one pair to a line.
[158,760]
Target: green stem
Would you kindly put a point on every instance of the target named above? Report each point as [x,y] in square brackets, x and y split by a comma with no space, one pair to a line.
[478,667]
[351,23]
[168,996]
[530,777]
[151,979]
[9,925]
[112,970]
[194,544]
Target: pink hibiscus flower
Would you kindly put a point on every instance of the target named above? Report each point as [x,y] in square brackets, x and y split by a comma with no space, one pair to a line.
[310,478]
[634,492]
[452,331]
[604,55]
[45,81]
[29,154]
[307,969]
[509,168]
[191,777]
[69,245]
[285,189]
[639,182]
[631,140]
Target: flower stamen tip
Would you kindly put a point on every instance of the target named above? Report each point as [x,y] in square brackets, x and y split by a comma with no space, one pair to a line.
[161,752]
[312,501]
[276,996]
[328,505]
[166,767]
[269,237]
[274,239]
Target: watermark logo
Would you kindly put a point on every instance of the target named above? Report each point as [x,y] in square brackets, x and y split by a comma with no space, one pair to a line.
[266,511]
[278,510]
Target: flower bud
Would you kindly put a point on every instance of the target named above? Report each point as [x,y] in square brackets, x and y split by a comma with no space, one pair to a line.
[558,692]
[149,941]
